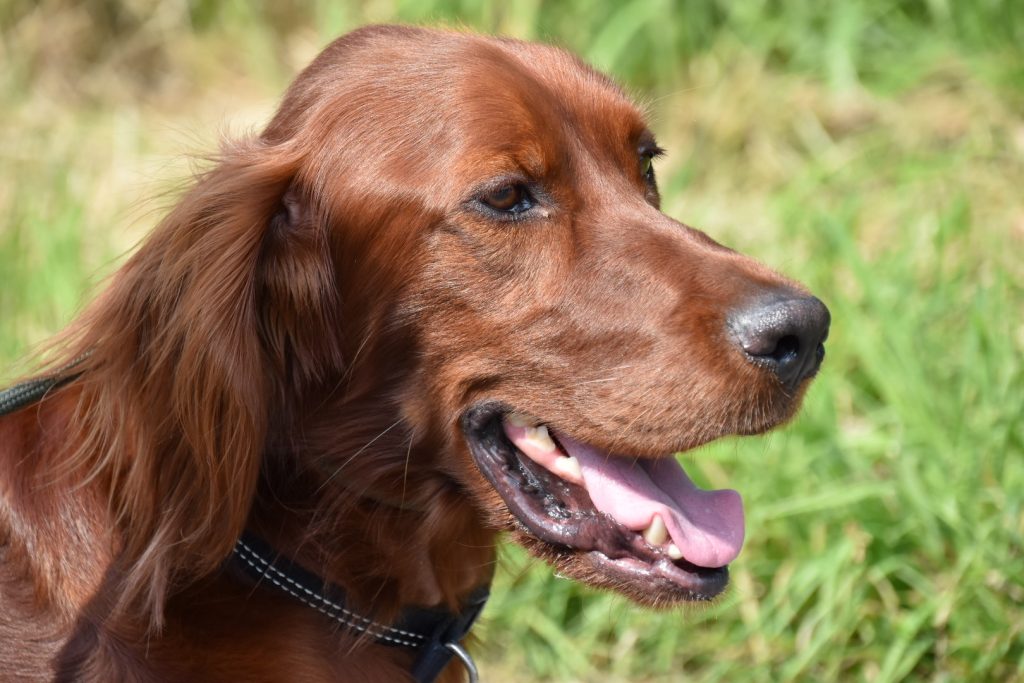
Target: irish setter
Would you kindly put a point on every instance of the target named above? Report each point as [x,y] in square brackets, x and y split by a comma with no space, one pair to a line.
[434,300]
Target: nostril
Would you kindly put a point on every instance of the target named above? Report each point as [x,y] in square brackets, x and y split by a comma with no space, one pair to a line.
[785,334]
[786,348]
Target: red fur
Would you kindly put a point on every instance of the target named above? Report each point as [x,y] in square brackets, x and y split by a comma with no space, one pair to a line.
[292,348]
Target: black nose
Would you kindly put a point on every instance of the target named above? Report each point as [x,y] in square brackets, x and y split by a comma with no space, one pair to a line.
[785,334]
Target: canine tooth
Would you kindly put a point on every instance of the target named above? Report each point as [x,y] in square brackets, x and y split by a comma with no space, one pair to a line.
[540,438]
[569,468]
[656,533]
[674,552]
[519,420]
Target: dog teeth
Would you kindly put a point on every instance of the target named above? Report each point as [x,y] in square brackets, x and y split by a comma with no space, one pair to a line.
[539,445]
[540,438]
[656,533]
[569,468]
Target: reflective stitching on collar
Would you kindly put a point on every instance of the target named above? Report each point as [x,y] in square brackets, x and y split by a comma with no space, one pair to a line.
[325,606]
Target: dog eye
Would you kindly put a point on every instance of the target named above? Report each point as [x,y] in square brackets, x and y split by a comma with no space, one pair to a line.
[510,199]
[647,152]
[647,166]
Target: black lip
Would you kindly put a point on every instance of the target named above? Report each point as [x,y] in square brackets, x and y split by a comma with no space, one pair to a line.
[561,516]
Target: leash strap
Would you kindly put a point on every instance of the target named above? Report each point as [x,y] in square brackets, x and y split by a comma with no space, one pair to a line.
[435,634]
[30,391]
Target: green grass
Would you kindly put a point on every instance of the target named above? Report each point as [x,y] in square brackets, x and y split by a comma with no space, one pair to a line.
[872,149]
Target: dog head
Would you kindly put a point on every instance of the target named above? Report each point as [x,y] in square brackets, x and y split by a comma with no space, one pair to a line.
[547,338]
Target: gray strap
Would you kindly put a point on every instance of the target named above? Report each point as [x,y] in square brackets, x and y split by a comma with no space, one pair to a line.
[27,393]
[30,391]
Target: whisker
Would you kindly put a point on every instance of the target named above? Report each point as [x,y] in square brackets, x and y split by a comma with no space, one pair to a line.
[354,455]
[405,471]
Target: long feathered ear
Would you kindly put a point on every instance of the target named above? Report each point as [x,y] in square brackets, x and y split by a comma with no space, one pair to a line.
[299,327]
[228,305]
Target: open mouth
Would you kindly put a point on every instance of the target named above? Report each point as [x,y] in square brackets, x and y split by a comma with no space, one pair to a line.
[636,524]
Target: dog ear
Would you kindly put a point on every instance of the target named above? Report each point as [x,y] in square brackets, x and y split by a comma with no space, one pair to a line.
[298,292]
[229,303]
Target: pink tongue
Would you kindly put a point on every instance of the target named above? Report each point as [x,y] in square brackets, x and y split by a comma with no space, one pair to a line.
[706,526]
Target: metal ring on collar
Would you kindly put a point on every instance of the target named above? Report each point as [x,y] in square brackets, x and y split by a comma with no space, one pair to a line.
[473,676]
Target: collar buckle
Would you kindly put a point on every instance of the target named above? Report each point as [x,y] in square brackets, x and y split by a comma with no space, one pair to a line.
[445,641]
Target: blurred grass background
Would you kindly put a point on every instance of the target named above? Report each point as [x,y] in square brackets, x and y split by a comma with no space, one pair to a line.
[873,149]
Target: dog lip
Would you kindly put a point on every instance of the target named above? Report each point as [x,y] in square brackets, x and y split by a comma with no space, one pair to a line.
[561,516]
[698,583]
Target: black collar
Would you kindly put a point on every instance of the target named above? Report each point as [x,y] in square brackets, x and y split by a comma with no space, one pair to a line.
[434,634]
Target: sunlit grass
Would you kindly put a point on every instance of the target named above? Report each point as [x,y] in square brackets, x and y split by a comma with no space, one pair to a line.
[873,150]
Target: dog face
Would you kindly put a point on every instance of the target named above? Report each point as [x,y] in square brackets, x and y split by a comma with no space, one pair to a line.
[547,338]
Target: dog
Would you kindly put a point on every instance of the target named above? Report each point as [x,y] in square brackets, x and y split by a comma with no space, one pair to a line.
[434,300]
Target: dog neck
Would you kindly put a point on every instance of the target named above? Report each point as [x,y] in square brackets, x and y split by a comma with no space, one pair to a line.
[377,520]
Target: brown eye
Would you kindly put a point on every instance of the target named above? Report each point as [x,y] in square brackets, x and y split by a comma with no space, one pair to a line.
[504,198]
[511,199]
